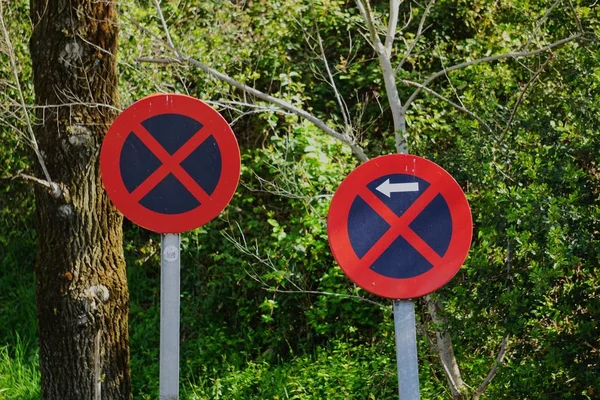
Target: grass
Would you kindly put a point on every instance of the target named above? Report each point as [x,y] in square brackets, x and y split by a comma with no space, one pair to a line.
[213,364]
[338,372]
[19,372]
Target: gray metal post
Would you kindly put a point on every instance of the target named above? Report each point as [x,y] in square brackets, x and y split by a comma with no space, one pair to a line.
[169,317]
[406,349]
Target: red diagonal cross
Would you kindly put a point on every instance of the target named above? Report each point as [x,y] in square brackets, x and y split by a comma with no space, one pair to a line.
[171,164]
[399,226]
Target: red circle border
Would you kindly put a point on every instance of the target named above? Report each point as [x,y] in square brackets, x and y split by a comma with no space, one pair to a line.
[151,106]
[400,288]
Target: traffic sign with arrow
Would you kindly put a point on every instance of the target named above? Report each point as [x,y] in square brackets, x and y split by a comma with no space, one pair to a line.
[399,226]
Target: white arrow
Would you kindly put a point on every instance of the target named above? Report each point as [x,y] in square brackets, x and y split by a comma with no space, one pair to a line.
[388,188]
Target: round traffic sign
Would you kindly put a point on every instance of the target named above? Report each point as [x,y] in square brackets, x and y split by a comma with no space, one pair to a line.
[399,226]
[170,163]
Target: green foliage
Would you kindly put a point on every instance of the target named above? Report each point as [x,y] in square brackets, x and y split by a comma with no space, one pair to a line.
[341,371]
[266,313]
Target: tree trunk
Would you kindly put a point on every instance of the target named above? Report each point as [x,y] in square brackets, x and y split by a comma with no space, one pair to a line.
[445,349]
[82,296]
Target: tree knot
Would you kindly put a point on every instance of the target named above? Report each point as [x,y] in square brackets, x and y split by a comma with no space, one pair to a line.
[96,295]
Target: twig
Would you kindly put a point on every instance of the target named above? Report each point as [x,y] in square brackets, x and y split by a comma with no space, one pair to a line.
[165,27]
[450,80]
[540,23]
[577,20]
[55,190]
[489,59]
[179,58]
[266,261]
[521,97]
[338,96]
[493,371]
[417,36]
[457,106]
[52,187]
[346,296]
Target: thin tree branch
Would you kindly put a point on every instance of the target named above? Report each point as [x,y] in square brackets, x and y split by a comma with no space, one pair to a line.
[417,36]
[450,80]
[540,23]
[346,296]
[489,59]
[392,23]
[54,188]
[577,20]
[179,58]
[338,96]
[398,113]
[408,20]
[165,27]
[521,97]
[281,103]
[453,104]
[365,9]
[493,371]
[51,187]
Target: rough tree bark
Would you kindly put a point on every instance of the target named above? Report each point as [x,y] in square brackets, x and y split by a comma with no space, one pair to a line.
[82,295]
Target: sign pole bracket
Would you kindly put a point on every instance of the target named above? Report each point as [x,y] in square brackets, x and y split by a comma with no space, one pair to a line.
[406,349]
[169,316]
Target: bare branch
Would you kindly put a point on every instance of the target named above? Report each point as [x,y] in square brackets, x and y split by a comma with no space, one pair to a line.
[345,296]
[398,113]
[338,96]
[243,247]
[343,137]
[540,23]
[450,80]
[408,20]
[417,36]
[13,64]
[521,97]
[457,106]
[268,262]
[51,187]
[165,27]
[493,371]
[392,23]
[577,20]
[489,59]
[154,60]
[365,9]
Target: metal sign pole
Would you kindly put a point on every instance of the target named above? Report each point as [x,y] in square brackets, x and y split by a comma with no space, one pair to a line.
[169,316]
[406,349]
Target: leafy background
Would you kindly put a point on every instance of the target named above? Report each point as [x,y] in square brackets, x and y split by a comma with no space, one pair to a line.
[252,325]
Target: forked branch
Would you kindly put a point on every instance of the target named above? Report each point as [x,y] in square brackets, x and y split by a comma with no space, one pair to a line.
[412,44]
[181,58]
[389,76]
[497,57]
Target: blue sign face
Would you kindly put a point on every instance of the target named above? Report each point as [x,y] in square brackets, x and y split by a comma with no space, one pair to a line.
[171,132]
[432,225]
